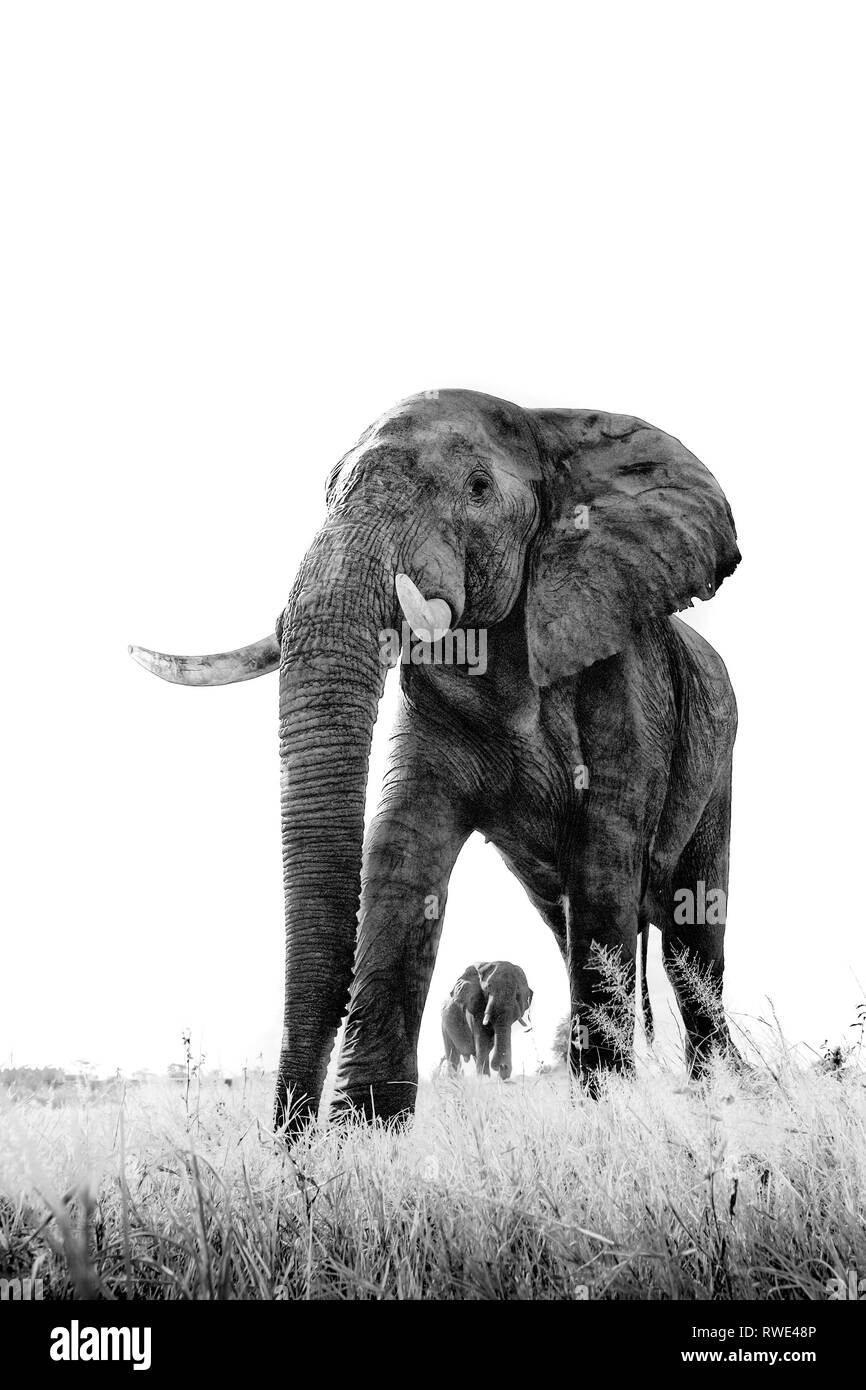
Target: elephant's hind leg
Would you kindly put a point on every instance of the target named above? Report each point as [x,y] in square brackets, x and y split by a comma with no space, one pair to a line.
[693,933]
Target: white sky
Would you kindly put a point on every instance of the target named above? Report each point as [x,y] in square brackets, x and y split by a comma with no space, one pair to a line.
[231,238]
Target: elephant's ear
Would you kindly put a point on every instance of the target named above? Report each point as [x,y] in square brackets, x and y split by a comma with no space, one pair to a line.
[636,527]
[467,992]
[485,970]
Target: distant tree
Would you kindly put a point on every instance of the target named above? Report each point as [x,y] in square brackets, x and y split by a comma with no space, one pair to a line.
[32,1078]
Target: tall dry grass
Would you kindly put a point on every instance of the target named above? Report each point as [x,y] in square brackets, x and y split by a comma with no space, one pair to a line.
[742,1187]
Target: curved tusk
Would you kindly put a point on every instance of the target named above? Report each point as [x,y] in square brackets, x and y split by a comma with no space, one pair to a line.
[428,619]
[224,668]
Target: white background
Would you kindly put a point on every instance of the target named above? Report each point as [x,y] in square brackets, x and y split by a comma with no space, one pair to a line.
[232,236]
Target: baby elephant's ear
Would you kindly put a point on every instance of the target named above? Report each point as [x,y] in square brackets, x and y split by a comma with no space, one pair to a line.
[636,528]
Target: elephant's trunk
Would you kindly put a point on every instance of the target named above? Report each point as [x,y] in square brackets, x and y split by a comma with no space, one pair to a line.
[331,680]
[500,1057]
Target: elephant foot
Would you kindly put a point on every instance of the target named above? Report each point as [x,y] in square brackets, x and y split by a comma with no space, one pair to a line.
[390,1101]
[590,1066]
[700,1057]
[295,1109]
[737,1062]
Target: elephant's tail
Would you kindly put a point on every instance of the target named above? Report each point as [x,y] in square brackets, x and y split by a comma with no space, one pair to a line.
[646,1006]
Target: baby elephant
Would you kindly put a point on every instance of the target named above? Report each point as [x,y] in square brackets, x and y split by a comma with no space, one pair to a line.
[477,1018]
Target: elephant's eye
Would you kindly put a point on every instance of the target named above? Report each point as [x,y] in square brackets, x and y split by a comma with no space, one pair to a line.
[479,488]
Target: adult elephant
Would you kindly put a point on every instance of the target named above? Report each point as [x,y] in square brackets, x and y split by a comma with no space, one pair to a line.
[592,746]
[480,1012]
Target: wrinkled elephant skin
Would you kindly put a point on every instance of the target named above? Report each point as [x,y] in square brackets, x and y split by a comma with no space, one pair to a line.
[593,747]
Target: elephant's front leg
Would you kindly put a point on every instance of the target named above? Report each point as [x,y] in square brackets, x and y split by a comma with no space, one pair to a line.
[483,1045]
[410,851]
[602,926]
